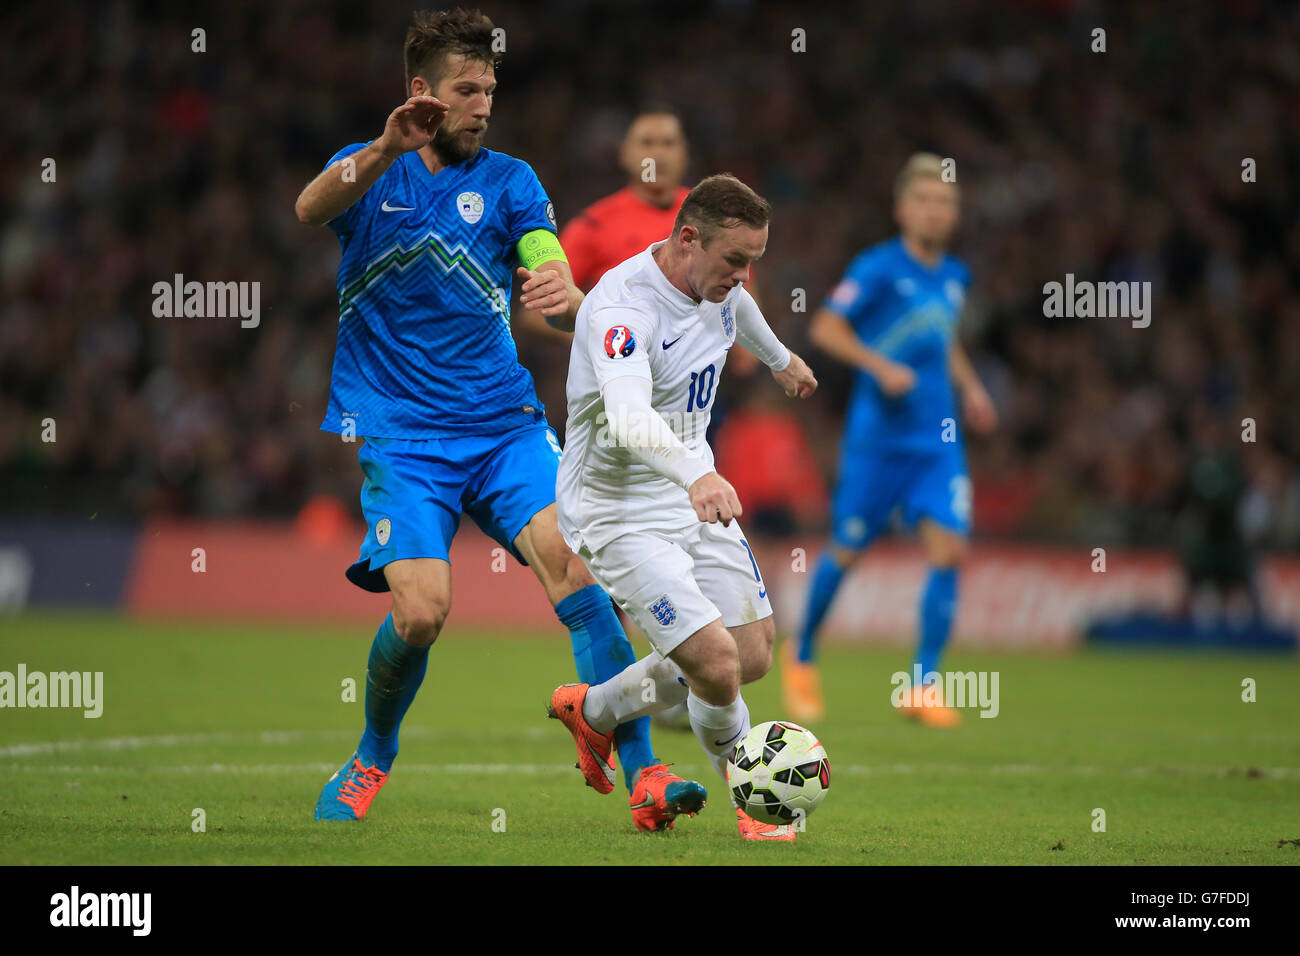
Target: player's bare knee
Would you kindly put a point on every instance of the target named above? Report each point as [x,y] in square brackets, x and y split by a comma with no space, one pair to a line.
[420,622]
[950,552]
[576,575]
[718,681]
[724,671]
[711,662]
[560,571]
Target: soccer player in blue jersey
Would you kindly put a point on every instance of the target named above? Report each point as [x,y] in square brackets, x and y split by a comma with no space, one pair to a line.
[893,318]
[425,369]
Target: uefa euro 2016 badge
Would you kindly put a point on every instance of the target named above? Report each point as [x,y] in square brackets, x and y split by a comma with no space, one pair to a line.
[470,207]
[728,322]
[382,529]
[663,610]
[846,293]
[619,342]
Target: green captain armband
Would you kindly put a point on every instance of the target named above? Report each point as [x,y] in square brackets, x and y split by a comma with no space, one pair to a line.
[538,246]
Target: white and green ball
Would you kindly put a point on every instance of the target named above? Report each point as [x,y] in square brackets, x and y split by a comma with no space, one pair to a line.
[779,772]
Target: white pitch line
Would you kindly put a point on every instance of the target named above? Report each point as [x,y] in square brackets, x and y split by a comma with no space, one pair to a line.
[111,743]
[482,769]
[534,769]
[268,737]
[281,737]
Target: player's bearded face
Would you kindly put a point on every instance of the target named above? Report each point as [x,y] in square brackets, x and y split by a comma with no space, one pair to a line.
[458,145]
[467,89]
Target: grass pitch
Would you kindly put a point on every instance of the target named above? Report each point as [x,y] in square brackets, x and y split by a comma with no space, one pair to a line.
[246,722]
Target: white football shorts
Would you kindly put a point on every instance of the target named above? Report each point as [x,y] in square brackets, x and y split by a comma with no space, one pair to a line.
[673,584]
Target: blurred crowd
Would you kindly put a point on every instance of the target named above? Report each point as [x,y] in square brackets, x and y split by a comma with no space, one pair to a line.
[1125,164]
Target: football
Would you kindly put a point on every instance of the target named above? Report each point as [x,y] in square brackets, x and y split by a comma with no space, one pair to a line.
[779,772]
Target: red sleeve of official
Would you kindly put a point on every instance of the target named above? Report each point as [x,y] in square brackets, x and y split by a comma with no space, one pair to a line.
[579,243]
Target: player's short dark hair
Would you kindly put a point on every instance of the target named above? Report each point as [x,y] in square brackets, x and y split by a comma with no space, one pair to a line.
[656,109]
[436,34]
[721,202]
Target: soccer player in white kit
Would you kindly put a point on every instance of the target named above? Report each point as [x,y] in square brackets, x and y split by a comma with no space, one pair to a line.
[637,496]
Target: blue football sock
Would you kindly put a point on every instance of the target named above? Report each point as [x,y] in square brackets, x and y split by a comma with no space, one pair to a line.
[393,675]
[826,581]
[938,606]
[601,650]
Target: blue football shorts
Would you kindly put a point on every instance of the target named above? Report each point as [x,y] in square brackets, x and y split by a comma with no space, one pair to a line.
[415,491]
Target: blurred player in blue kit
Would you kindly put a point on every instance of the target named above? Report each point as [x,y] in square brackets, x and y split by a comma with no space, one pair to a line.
[893,318]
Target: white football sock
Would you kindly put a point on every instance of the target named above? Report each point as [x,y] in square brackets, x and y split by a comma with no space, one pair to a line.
[673,716]
[627,695]
[718,729]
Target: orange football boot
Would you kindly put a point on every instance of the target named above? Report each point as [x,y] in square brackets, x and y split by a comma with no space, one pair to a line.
[801,684]
[660,795]
[752,829]
[595,750]
[932,713]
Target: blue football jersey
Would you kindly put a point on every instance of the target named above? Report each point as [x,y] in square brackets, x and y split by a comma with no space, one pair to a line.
[908,312]
[424,347]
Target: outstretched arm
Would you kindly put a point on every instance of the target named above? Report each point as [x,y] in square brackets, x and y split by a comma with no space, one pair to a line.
[976,404]
[635,425]
[833,334]
[753,332]
[337,188]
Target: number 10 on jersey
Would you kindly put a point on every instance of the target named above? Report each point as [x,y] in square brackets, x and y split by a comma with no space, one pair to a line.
[701,389]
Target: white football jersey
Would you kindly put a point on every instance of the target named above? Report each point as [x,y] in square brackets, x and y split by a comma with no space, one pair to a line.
[635,323]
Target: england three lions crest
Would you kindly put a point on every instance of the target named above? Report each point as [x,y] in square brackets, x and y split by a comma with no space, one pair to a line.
[728,321]
[663,610]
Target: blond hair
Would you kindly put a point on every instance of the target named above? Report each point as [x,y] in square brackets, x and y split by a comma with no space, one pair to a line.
[919,166]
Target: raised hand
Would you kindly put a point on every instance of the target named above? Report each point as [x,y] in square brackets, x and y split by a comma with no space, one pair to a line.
[412,125]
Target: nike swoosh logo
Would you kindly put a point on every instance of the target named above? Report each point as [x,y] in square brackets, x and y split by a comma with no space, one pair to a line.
[723,743]
[387,208]
[605,768]
[762,592]
[668,345]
